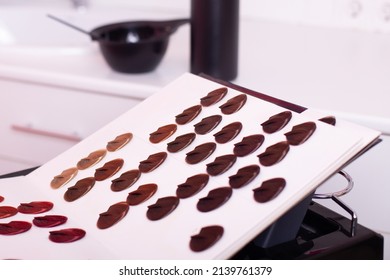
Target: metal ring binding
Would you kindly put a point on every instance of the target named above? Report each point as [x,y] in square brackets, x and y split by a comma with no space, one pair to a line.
[335,197]
[342,192]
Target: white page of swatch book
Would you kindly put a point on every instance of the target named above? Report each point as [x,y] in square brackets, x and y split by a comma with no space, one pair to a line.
[304,168]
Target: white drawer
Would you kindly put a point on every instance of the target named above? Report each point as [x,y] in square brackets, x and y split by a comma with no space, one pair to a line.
[8,165]
[38,122]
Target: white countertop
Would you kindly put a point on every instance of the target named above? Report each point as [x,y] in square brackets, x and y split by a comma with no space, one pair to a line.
[343,72]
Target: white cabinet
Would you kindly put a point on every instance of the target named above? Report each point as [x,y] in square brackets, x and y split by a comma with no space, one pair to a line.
[37,122]
[8,165]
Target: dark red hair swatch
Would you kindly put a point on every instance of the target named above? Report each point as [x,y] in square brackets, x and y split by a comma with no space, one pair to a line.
[207,124]
[162,208]
[181,142]
[214,199]
[125,180]
[143,193]
[152,162]
[248,145]
[213,97]
[200,153]
[269,189]
[274,154]
[244,176]
[234,104]
[192,185]
[228,133]
[162,133]
[113,215]
[188,114]
[276,122]
[66,235]
[300,133]
[7,211]
[220,165]
[35,207]
[206,238]
[14,227]
[109,169]
[81,188]
[329,120]
[49,221]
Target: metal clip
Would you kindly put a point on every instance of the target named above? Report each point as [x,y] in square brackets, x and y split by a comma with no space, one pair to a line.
[335,197]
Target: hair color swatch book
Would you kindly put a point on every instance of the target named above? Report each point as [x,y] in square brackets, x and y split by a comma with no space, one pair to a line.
[196,171]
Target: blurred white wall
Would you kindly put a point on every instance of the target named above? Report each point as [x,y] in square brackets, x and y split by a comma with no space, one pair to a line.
[369,15]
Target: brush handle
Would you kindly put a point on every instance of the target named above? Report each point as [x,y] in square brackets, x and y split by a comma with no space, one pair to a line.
[70,25]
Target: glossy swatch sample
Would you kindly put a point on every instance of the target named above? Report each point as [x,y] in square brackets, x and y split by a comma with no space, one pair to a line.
[163,207]
[119,142]
[49,221]
[329,120]
[114,214]
[181,142]
[143,193]
[248,145]
[125,180]
[109,169]
[220,165]
[152,162]
[269,189]
[273,154]
[300,133]
[206,238]
[66,235]
[276,122]
[162,133]
[192,185]
[234,104]
[35,207]
[7,211]
[244,176]
[207,124]
[228,132]
[1,198]
[91,159]
[200,153]
[14,227]
[214,199]
[81,187]
[213,97]
[65,176]
[188,114]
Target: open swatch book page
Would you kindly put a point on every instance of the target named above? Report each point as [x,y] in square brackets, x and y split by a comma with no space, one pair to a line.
[196,171]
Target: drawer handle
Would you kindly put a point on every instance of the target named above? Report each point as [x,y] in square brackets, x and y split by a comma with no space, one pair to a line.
[31,130]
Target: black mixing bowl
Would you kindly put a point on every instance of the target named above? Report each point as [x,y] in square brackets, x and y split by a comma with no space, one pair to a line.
[135,46]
